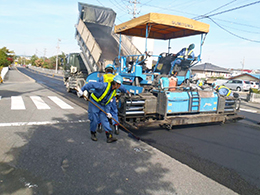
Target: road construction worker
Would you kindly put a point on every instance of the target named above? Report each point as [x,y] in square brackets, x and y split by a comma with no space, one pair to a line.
[185,53]
[200,83]
[223,90]
[108,77]
[102,96]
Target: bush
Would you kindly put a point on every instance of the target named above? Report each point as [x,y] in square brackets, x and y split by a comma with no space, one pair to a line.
[255,91]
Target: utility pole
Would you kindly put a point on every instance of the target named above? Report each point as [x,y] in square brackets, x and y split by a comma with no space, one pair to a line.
[243,64]
[57,57]
[134,13]
[44,54]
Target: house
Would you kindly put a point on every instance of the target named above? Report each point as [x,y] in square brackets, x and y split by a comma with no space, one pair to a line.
[210,70]
[247,77]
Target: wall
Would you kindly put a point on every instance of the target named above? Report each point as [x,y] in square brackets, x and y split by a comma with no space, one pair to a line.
[3,72]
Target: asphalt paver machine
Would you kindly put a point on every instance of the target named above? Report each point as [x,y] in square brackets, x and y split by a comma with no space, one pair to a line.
[155,100]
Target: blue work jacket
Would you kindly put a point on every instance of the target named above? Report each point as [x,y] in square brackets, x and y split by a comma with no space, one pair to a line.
[121,88]
[99,88]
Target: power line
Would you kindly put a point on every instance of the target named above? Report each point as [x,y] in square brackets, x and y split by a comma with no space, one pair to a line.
[120,5]
[117,5]
[233,33]
[241,30]
[197,18]
[147,2]
[237,23]
[100,3]
[167,8]
[234,9]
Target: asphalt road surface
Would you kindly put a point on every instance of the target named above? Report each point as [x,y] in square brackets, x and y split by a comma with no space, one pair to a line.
[229,154]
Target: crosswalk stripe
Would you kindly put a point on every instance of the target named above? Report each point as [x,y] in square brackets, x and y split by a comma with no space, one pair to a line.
[17,103]
[39,103]
[60,102]
[41,123]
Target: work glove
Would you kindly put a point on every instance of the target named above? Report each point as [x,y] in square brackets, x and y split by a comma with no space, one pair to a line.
[85,93]
[129,95]
[109,115]
[79,91]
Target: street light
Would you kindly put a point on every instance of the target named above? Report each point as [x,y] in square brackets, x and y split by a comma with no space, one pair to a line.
[58,48]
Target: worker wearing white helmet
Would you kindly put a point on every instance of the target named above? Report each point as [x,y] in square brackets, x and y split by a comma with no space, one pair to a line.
[108,77]
[102,97]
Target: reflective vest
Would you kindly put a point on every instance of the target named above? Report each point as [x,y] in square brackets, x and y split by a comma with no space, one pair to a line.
[200,83]
[108,78]
[98,100]
[186,53]
[224,87]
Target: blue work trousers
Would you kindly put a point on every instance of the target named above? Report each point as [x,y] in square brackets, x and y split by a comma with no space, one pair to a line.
[95,116]
[113,111]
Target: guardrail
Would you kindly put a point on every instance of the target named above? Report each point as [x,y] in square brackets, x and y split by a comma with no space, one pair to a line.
[3,73]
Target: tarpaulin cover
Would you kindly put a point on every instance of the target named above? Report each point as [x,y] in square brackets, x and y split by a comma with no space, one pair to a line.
[95,14]
[162,26]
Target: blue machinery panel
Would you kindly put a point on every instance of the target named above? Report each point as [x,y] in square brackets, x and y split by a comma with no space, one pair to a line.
[184,102]
[208,104]
[177,102]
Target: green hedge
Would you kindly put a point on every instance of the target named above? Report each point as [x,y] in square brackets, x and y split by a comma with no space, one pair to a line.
[255,91]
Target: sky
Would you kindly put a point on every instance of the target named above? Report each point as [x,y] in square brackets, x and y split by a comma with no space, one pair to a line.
[31,27]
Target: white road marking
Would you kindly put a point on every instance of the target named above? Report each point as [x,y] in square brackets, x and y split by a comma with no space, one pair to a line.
[39,103]
[60,103]
[40,123]
[247,110]
[17,103]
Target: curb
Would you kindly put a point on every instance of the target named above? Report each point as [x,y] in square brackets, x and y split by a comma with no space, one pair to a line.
[26,75]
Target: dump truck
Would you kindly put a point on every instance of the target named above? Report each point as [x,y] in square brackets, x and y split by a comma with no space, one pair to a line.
[98,44]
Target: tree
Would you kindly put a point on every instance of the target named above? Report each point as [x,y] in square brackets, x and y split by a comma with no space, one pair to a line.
[6,57]
[33,59]
[48,64]
[39,62]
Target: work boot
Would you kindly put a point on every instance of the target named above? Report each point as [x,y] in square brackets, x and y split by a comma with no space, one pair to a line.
[116,129]
[99,128]
[110,138]
[93,136]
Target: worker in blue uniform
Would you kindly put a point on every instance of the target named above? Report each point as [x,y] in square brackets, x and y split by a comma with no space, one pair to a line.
[102,96]
[108,77]
[224,91]
[184,54]
[200,83]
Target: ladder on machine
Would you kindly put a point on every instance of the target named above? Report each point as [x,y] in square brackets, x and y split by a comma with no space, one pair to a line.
[194,101]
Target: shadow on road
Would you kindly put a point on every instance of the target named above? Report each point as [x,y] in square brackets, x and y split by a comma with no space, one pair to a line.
[61,159]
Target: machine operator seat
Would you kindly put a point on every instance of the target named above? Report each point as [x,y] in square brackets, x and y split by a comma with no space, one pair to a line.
[182,68]
[164,64]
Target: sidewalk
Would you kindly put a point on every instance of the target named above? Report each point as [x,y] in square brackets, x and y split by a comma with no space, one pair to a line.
[15,76]
[63,160]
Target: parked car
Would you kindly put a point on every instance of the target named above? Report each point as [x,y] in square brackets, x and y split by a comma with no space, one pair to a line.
[238,85]
[254,85]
